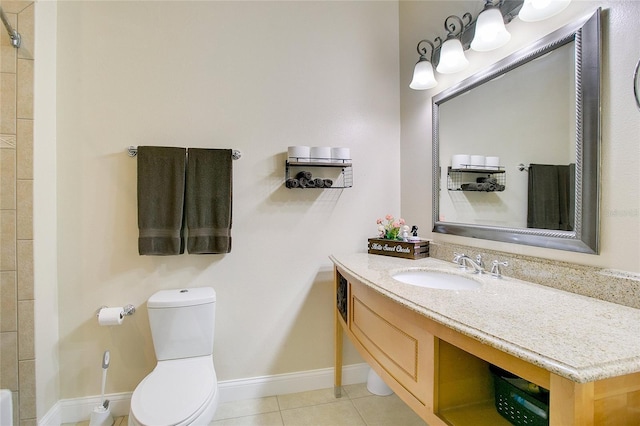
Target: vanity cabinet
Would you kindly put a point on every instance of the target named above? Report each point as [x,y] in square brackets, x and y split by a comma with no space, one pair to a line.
[444,376]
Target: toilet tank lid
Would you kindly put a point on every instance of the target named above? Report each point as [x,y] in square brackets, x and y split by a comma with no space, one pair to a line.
[182,297]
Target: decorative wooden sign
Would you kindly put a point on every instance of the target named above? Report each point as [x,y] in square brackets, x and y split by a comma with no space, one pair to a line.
[396,248]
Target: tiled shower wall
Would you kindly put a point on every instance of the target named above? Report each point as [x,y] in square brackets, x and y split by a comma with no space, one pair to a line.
[17,355]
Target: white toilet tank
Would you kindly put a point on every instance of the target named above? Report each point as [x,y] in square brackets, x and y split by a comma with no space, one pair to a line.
[182,322]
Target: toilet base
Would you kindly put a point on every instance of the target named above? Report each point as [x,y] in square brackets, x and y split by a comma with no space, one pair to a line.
[205,417]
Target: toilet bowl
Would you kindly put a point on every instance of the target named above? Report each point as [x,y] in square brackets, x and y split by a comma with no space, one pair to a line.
[177,392]
[183,387]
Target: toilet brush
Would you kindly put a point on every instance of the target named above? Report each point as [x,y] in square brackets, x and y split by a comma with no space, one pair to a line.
[101,414]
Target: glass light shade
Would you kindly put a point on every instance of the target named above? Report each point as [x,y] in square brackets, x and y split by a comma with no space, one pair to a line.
[537,10]
[452,57]
[423,77]
[490,31]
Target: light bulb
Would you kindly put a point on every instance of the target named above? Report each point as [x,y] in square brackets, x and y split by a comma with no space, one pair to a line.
[452,57]
[537,10]
[490,32]
[423,77]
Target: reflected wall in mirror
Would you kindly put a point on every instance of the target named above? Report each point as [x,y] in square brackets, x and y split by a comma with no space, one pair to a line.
[538,111]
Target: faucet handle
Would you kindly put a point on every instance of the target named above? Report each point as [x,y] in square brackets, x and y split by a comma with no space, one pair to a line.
[495,268]
[457,257]
[479,261]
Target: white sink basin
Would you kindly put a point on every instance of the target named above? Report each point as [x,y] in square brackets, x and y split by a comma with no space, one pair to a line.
[440,280]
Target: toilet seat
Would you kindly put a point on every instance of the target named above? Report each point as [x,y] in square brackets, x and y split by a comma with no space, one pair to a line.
[176,392]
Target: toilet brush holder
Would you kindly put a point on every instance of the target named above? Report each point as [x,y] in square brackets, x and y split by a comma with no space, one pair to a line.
[101,415]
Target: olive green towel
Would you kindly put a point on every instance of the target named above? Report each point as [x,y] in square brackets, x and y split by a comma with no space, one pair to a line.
[209,200]
[161,181]
[551,197]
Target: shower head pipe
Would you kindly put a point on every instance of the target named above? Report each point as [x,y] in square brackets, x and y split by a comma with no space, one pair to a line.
[15,35]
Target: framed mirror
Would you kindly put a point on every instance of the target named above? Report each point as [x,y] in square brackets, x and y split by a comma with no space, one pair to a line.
[516,146]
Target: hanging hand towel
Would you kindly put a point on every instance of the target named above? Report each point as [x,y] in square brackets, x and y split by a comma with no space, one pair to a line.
[550,197]
[208,201]
[161,180]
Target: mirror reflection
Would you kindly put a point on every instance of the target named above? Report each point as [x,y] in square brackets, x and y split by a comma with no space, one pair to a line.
[516,146]
[524,117]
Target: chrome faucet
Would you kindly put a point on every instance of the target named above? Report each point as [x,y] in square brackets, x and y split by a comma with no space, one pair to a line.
[495,268]
[464,261]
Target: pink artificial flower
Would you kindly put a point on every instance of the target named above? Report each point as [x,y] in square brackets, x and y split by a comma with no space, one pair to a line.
[401,221]
[379,221]
[389,217]
[396,224]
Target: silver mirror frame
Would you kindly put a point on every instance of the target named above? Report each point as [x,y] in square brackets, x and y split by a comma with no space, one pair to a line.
[586,34]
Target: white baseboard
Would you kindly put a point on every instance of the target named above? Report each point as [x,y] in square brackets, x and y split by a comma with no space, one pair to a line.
[281,384]
[79,409]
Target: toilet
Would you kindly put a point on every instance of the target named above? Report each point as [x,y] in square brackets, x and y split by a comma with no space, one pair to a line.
[183,388]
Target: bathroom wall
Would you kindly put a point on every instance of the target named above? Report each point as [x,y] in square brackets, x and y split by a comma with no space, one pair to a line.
[17,352]
[253,76]
[620,150]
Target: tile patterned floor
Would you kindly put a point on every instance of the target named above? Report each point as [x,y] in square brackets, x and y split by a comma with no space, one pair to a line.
[317,408]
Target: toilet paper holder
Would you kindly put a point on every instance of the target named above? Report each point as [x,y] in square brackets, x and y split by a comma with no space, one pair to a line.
[126,310]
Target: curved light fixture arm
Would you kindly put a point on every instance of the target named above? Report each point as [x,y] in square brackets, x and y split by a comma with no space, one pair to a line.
[423,51]
[454,26]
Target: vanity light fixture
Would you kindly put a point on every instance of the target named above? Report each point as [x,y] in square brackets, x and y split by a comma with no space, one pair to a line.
[452,57]
[537,10]
[423,77]
[490,32]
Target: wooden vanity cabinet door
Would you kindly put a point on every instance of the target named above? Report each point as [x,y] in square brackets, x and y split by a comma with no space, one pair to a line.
[393,342]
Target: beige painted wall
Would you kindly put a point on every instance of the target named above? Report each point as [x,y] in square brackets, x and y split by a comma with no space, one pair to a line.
[44,210]
[620,150]
[253,76]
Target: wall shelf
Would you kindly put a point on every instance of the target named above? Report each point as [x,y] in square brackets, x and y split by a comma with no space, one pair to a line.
[319,169]
[468,179]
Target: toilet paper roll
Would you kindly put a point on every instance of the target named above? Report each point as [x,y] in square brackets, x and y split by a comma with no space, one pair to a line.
[492,162]
[299,153]
[460,161]
[111,316]
[477,161]
[320,153]
[340,154]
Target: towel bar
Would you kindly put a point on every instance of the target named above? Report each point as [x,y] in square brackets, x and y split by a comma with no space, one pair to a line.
[133,151]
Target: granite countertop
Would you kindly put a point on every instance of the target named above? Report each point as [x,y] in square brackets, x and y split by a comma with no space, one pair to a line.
[577,337]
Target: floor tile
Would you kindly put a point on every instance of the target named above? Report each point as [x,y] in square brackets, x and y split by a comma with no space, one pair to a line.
[386,411]
[305,399]
[247,407]
[357,407]
[341,413]
[267,419]
[356,391]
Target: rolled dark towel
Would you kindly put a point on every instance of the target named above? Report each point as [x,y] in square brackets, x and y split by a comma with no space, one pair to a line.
[470,186]
[303,174]
[486,180]
[302,182]
[328,183]
[319,183]
[311,184]
[292,183]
